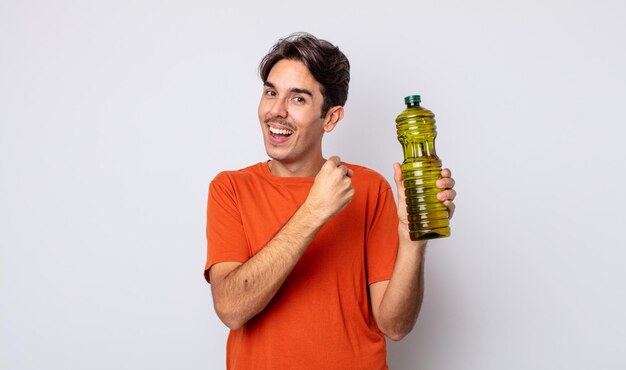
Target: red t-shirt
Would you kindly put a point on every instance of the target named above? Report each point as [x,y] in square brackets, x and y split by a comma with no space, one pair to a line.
[321,317]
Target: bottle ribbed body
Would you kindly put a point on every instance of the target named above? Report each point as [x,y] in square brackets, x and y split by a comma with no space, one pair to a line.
[428,217]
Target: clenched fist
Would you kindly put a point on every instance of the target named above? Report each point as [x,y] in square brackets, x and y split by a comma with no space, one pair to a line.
[332,189]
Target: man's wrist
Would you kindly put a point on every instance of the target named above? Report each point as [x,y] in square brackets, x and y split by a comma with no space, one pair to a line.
[405,238]
[311,216]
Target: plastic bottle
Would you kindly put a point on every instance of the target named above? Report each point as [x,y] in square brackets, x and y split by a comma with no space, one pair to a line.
[428,217]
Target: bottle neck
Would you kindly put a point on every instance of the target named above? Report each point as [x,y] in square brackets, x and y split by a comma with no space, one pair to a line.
[411,105]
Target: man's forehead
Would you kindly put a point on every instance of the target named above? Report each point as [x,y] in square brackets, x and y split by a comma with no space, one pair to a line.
[292,74]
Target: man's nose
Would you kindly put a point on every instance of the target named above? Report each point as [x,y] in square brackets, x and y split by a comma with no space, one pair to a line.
[279,109]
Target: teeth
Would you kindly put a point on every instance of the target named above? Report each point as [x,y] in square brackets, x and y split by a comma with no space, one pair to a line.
[277,131]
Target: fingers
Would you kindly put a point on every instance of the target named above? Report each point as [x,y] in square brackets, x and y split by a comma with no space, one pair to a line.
[332,189]
[345,170]
[451,207]
[445,182]
[445,195]
[335,162]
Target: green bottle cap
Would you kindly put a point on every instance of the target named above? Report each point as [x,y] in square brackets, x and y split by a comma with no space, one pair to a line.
[412,99]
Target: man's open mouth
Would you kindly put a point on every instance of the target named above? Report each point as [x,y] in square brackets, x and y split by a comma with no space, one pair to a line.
[280,132]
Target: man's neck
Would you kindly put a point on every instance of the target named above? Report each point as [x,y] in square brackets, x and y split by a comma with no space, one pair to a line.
[309,169]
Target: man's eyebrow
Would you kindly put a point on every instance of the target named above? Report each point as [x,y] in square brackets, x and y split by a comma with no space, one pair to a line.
[296,90]
[302,91]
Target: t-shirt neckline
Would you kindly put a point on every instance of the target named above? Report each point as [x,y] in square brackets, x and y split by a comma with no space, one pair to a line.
[265,167]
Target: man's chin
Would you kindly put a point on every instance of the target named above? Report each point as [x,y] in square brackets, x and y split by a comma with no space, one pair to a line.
[275,153]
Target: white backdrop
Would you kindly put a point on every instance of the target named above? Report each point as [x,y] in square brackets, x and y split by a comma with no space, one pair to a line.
[115,115]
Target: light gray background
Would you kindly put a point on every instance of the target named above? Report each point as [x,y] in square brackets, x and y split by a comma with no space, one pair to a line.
[115,115]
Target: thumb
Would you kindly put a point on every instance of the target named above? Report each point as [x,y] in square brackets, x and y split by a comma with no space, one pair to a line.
[335,160]
[397,174]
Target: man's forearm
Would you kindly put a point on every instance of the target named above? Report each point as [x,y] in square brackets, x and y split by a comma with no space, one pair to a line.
[403,297]
[397,302]
[246,290]
[242,291]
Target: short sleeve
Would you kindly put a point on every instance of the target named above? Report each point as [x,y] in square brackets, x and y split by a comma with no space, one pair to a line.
[382,238]
[226,240]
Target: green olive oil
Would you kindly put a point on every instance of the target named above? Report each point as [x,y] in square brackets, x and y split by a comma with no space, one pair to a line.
[428,217]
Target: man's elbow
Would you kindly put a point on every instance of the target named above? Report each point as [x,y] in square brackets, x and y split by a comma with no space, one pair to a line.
[229,317]
[231,324]
[396,336]
[398,331]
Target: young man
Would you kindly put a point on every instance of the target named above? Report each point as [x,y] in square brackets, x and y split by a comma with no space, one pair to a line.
[310,262]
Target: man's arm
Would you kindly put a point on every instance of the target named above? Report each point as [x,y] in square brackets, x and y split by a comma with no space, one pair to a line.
[397,302]
[240,291]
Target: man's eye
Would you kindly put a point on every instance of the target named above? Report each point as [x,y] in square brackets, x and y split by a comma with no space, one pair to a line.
[270,92]
[298,99]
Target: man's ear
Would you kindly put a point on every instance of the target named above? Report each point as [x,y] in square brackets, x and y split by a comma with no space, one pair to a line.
[333,116]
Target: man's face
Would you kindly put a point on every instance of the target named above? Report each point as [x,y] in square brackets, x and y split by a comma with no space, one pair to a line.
[289,113]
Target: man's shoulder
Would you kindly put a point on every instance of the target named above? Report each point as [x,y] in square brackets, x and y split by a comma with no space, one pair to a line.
[367,175]
[365,171]
[232,177]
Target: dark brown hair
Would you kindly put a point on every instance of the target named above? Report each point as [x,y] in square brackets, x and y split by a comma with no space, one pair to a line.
[328,65]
